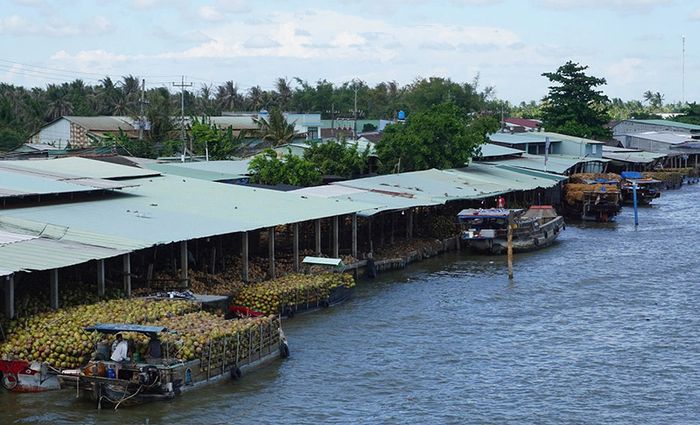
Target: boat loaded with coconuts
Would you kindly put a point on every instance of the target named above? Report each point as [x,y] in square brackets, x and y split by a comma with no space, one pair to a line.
[647,188]
[205,351]
[486,230]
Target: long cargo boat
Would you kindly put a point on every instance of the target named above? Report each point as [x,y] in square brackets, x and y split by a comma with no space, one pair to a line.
[486,230]
[131,383]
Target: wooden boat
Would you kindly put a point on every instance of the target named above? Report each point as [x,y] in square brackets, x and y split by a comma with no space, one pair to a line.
[486,230]
[593,200]
[135,383]
[28,377]
[647,188]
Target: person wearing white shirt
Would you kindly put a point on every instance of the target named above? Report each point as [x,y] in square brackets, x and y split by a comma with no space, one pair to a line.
[120,349]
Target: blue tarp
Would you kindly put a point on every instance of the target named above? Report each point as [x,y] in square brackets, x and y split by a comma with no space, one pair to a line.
[631,175]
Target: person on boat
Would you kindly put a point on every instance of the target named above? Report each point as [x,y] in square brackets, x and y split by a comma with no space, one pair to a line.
[154,349]
[120,349]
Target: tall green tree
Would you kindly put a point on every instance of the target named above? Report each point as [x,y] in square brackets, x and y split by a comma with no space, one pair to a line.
[275,129]
[220,143]
[268,168]
[441,137]
[691,114]
[337,158]
[574,106]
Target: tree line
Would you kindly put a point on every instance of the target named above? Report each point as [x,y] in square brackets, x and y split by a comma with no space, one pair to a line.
[25,110]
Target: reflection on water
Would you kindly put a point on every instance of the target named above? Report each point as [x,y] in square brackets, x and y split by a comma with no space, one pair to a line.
[600,328]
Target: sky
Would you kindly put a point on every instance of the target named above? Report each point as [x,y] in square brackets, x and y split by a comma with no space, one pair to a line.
[636,45]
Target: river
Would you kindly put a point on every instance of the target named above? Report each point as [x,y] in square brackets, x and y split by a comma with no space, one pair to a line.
[602,327]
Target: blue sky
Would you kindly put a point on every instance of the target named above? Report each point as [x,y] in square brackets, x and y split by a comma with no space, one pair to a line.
[634,44]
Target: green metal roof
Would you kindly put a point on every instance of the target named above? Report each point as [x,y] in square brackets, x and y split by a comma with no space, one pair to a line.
[558,164]
[205,170]
[172,208]
[72,167]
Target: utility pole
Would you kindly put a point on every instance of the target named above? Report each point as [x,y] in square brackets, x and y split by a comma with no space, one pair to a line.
[142,119]
[354,123]
[683,74]
[182,86]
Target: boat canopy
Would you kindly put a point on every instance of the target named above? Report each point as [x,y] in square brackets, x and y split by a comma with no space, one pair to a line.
[541,211]
[631,175]
[323,261]
[471,213]
[115,328]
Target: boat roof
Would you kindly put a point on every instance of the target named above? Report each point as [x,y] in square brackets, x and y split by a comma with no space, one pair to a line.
[115,328]
[486,213]
[541,211]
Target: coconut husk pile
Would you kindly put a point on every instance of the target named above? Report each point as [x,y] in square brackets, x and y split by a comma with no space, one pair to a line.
[404,247]
[582,178]
[671,178]
[574,192]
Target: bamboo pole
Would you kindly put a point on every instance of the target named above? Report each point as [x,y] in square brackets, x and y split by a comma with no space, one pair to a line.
[510,246]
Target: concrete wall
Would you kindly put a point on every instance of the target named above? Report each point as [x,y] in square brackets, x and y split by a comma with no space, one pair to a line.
[647,145]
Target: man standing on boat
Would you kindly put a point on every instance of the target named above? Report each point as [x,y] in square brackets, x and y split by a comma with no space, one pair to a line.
[120,349]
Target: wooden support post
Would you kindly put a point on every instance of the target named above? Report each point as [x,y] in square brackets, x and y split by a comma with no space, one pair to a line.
[354,235]
[10,296]
[336,239]
[295,247]
[127,274]
[244,254]
[409,225]
[53,281]
[184,264]
[101,278]
[318,236]
[393,228]
[271,250]
[510,246]
[369,234]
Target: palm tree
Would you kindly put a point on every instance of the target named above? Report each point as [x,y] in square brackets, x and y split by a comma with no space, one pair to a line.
[275,129]
[58,103]
[284,93]
[228,96]
[255,98]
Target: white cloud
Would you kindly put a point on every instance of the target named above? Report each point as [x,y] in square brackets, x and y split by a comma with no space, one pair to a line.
[695,15]
[222,9]
[625,5]
[260,42]
[16,25]
[330,34]
[624,71]
[210,13]
[87,58]
[145,4]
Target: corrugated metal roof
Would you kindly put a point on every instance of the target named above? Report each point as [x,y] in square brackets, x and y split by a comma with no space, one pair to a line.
[206,170]
[46,254]
[72,167]
[490,150]
[521,138]
[12,237]
[102,123]
[669,124]
[558,164]
[23,183]
[436,185]
[380,201]
[630,155]
[172,209]
[663,137]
